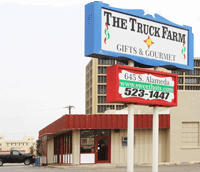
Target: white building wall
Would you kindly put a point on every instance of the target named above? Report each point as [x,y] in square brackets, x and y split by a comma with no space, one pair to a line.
[75,146]
[142,148]
[187,111]
[50,151]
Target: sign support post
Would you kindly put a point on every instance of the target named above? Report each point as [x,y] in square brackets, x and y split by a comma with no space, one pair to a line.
[155,136]
[130,133]
[155,139]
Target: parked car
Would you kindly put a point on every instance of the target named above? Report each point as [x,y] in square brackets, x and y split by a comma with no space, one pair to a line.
[16,156]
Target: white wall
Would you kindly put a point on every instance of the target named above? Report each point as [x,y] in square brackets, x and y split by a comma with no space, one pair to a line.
[142,149]
[188,110]
[50,151]
[75,146]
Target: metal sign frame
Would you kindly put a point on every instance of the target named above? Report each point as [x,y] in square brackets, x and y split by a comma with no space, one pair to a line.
[93,37]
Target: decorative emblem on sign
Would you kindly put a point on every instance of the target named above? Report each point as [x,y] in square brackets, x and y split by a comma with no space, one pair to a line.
[149,42]
[183,50]
[107,34]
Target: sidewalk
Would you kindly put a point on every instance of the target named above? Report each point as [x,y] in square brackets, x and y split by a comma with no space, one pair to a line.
[163,167]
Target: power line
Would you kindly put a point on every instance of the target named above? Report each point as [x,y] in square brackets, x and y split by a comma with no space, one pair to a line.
[31,111]
[18,133]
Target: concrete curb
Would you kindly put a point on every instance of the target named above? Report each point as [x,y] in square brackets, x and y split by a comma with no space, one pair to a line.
[149,164]
[118,166]
[81,166]
[194,162]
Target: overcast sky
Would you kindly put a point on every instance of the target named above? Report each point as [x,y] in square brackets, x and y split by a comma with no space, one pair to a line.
[42,63]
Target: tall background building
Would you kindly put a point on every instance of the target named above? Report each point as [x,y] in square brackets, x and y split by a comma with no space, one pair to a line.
[189,80]
[95,99]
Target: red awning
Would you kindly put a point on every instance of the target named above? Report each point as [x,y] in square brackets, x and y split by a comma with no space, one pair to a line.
[111,121]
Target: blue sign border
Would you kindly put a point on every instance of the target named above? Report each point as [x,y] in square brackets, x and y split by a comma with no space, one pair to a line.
[93,37]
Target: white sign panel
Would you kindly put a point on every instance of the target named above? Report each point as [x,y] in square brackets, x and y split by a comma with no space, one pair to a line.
[146,86]
[122,33]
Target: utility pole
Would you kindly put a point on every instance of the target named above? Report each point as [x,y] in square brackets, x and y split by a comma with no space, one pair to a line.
[69,107]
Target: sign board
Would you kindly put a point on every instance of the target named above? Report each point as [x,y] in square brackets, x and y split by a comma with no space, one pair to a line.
[127,84]
[152,41]
[87,141]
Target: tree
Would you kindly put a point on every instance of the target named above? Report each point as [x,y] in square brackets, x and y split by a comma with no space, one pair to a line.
[31,149]
[39,147]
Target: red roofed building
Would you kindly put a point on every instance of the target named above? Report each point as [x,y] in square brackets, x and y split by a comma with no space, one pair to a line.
[81,139]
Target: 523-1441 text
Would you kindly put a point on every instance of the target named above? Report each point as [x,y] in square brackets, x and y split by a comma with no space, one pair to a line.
[149,93]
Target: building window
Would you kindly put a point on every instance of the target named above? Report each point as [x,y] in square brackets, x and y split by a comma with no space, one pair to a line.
[190,134]
[0,149]
[196,63]
[103,108]
[180,80]
[192,87]
[91,110]
[102,132]
[178,72]
[87,103]
[90,101]
[122,63]
[67,141]
[90,92]
[87,141]
[119,107]
[87,76]
[90,63]
[26,144]
[101,99]
[87,94]
[101,89]
[190,80]
[102,70]
[102,79]
[0,144]
[7,144]
[180,87]
[87,84]
[105,62]
[192,72]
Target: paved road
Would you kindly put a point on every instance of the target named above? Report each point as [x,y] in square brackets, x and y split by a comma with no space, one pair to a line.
[162,168]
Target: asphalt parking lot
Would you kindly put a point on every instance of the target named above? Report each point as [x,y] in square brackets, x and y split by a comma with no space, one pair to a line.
[98,168]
